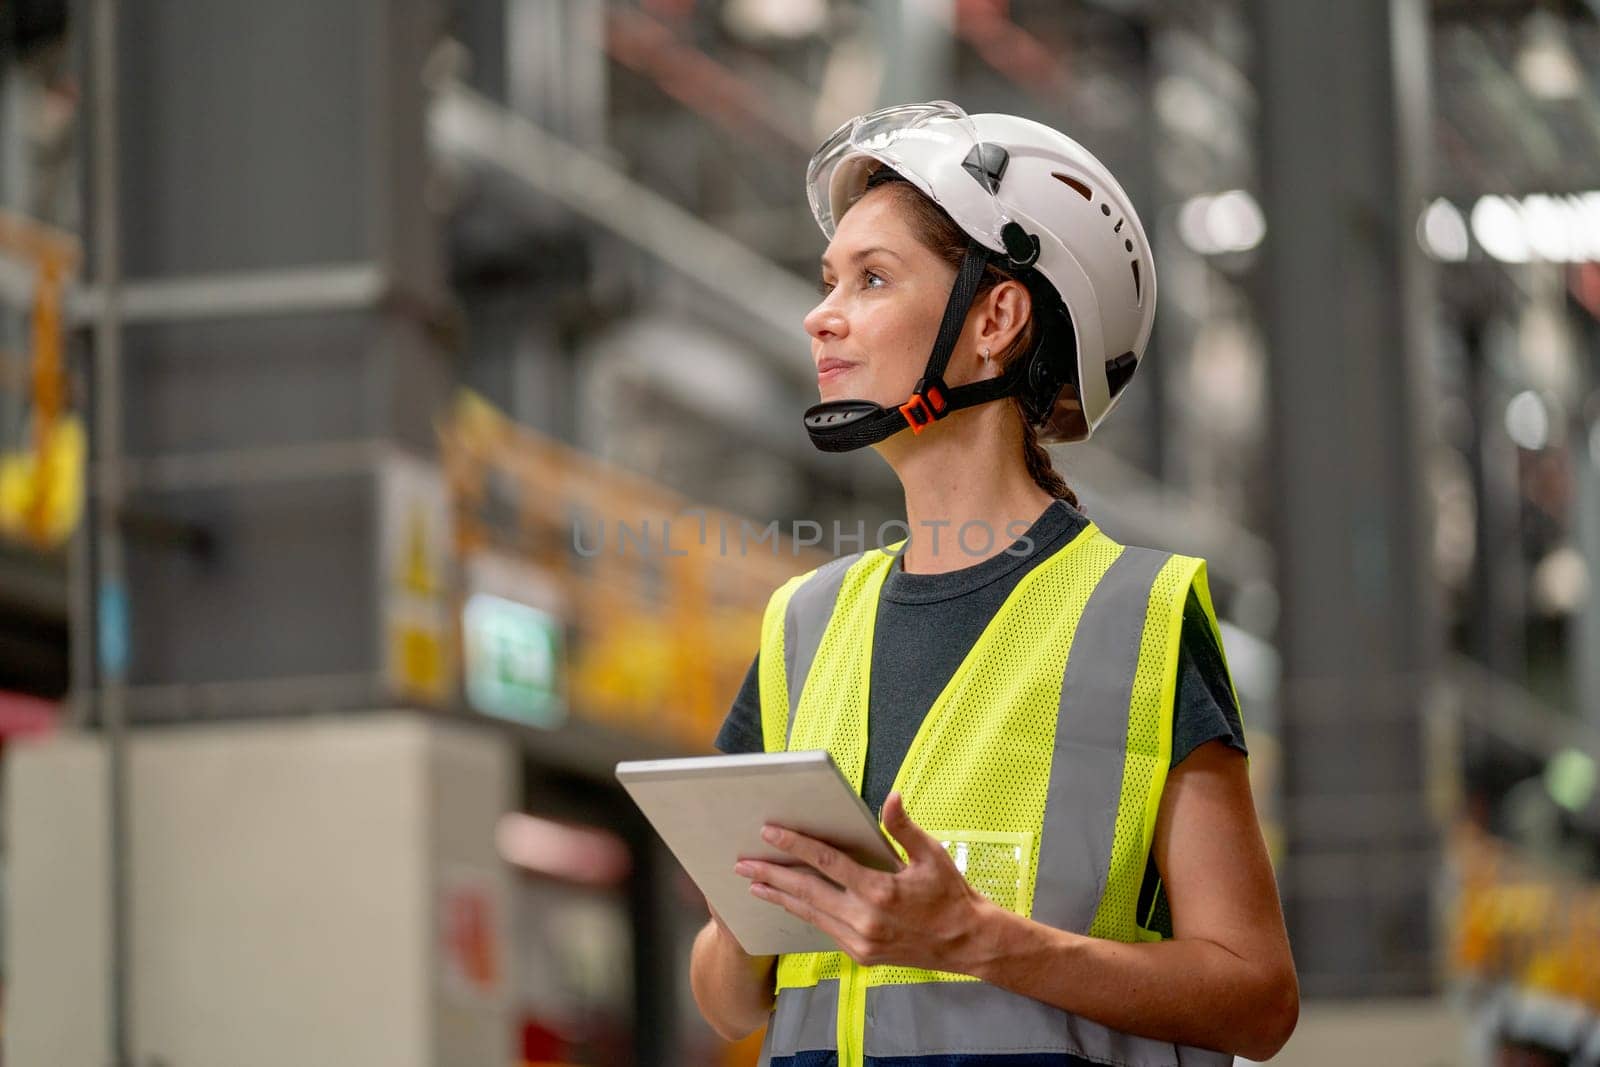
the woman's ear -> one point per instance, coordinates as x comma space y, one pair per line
1005, 312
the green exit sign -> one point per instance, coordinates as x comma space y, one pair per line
512, 660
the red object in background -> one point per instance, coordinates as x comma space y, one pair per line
22, 715
1584, 283
540, 1044
469, 932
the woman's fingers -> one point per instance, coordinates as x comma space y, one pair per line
918, 843
797, 882
827, 860
804, 910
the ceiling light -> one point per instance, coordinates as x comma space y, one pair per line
1561, 581
784, 19
1528, 421
1228, 222
1547, 222
1497, 224
1442, 232
1545, 62
1192, 226
1236, 221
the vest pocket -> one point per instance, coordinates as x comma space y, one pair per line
997, 863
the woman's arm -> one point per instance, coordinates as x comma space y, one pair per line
733, 988
1225, 981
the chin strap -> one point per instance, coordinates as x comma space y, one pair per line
845, 425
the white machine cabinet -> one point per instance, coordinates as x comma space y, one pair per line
324, 892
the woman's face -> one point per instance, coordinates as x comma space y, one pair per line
884, 292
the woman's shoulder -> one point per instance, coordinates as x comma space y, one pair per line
1159, 561
816, 587
1187, 568
831, 573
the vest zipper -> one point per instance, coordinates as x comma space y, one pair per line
852, 1022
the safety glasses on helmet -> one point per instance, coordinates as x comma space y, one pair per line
916, 140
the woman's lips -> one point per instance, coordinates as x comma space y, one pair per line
830, 368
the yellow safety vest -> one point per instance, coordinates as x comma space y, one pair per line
1040, 765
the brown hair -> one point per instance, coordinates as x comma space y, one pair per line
935, 229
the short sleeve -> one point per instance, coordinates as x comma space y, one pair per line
741, 730
1204, 708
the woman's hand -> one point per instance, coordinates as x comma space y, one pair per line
924, 915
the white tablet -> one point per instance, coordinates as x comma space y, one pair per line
710, 811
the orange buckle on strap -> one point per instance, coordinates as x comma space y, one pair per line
926, 408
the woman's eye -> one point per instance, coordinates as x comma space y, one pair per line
868, 280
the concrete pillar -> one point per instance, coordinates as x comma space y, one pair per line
1343, 295
283, 305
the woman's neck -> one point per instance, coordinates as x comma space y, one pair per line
968, 493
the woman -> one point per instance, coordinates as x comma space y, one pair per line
1045, 719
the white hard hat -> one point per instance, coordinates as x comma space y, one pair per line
1010, 182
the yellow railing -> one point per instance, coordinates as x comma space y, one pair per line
660, 634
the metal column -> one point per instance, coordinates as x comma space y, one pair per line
1586, 625
106, 556
280, 332
917, 40
1344, 293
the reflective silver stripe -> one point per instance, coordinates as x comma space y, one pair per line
805, 620
1080, 816
973, 1018
805, 1019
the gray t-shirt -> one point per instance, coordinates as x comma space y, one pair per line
926, 625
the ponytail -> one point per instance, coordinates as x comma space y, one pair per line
1040, 469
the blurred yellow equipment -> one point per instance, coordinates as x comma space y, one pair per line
41, 484
41, 490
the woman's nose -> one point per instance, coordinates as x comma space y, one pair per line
825, 322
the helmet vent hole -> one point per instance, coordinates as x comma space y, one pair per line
1079, 187
1138, 290
1118, 227
1128, 244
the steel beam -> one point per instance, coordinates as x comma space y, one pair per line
469, 127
